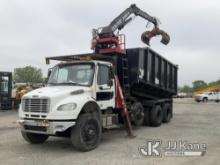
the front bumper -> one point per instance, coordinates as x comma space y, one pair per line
49, 127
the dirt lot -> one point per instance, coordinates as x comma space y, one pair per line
194, 122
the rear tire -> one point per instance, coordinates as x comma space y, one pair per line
167, 113
34, 138
156, 116
146, 116
86, 134
205, 100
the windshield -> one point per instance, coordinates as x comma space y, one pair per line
72, 74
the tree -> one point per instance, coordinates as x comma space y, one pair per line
199, 84
28, 74
186, 89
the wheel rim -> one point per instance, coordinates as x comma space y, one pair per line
139, 114
90, 132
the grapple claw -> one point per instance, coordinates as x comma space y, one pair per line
147, 35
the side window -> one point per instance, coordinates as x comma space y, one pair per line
103, 74
4, 85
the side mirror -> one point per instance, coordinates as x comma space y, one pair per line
110, 82
48, 74
111, 73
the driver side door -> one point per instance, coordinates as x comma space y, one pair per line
105, 93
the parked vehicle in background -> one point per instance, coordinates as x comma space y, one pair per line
5, 90
208, 96
181, 95
11, 93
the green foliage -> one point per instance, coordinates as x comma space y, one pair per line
199, 84
28, 74
214, 83
186, 89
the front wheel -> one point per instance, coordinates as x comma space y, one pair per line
34, 138
86, 134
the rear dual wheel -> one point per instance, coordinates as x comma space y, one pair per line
156, 116
167, 113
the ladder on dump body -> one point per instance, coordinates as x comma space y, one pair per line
125, 80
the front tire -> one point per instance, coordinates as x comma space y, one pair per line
34, 138
86, 134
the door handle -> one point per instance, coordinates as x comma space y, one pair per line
104, 88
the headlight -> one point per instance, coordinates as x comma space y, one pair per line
67, 107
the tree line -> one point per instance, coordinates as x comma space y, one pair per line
197, 85
28, 74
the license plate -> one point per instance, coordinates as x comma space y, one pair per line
42, 123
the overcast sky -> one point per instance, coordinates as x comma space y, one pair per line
31, 30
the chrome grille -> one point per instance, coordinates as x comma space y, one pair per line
36, 105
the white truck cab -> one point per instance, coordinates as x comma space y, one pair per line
208, 96
72, 88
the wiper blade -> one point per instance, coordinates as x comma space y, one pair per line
68, 83
65, 83
51, 83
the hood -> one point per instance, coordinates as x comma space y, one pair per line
200, 95
52, 91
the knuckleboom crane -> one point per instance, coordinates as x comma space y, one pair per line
105, 41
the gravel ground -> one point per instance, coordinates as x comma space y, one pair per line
192, 122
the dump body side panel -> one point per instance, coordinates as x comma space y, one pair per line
151, 75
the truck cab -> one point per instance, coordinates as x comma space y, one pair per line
72, 89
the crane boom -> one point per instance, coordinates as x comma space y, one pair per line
120, 21
105, 40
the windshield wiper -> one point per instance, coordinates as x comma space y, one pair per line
51, 83
68, 83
